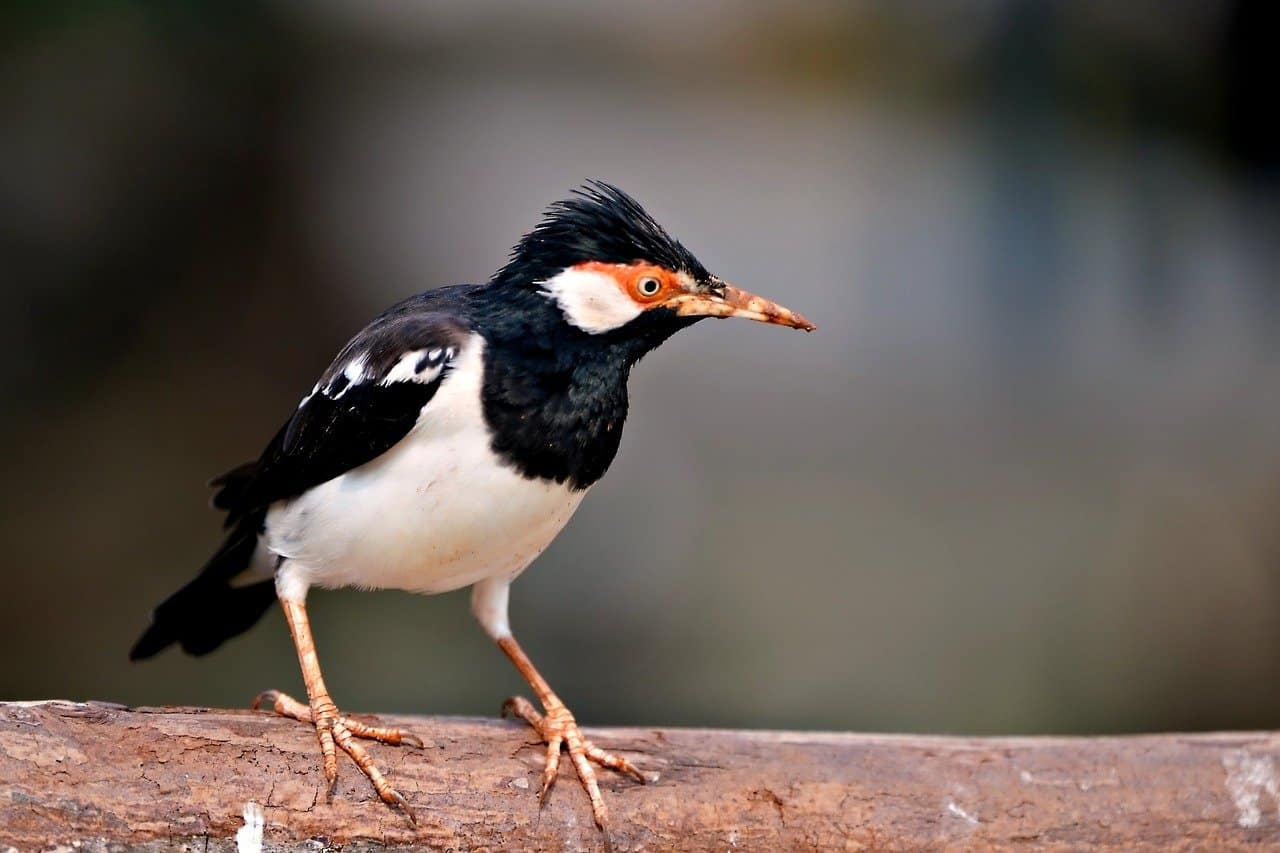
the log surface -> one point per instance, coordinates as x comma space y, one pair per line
97, 776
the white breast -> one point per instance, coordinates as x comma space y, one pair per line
437, 512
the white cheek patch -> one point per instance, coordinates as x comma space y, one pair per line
592, 301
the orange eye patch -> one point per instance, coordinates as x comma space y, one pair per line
646, 284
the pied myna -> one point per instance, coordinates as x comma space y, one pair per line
446, 446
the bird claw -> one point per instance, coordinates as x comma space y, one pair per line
336, 731
404, 806
266, 697
558, 727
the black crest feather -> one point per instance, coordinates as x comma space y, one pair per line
599, 222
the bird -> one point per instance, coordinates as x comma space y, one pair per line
446, 445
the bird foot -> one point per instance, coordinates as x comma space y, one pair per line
338, 731
558, 727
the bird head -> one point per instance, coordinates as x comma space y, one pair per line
611, 271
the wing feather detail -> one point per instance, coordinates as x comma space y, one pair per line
368, 400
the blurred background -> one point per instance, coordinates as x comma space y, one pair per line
1025, 478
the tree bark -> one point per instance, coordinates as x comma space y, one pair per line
97, 776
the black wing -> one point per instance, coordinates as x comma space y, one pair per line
368, 399
366, 402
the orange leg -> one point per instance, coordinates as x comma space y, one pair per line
558, 727
332, 728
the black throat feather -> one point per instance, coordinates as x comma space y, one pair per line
554, 396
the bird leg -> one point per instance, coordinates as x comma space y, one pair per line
557, 727
334, 730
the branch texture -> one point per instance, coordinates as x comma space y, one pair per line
96, 777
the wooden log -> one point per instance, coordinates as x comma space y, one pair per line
95, 776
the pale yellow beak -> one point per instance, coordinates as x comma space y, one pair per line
732, 301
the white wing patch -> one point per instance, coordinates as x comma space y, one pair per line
422, 365
406, 369
310, 394
419, 365
352, 374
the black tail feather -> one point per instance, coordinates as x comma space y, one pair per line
233, 492
208, 611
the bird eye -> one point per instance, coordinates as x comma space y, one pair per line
648, 286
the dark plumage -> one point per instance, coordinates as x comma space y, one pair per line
208, 610
598, 223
